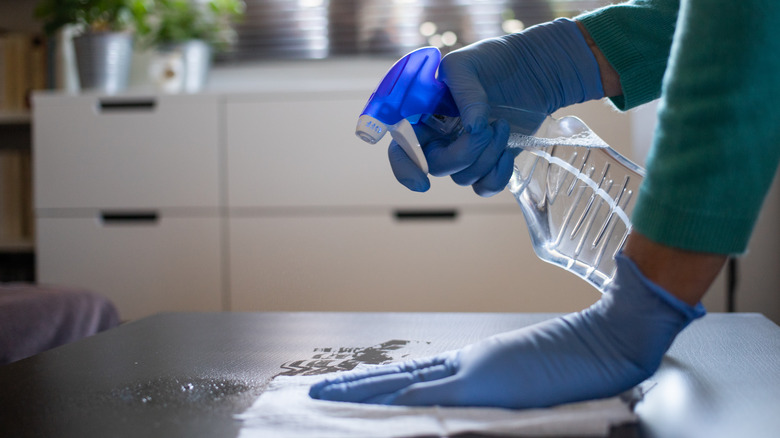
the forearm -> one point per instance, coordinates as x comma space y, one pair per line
685, 274
610, 80
635, 37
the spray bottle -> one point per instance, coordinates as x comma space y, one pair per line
576, 193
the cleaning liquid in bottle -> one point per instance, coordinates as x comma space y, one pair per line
576, 193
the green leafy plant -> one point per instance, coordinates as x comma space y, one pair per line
174, 21
90, 15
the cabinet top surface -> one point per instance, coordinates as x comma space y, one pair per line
358, 75
15, 117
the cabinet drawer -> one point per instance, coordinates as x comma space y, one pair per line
144, 264
294, 152
472, 262
111, 152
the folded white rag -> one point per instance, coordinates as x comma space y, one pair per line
285, 410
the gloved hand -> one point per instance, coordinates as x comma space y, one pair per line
539, 70
598, 352
477, 158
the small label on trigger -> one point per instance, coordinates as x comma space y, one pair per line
443, 124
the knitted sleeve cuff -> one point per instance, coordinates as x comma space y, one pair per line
639, 58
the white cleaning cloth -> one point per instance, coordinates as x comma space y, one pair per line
285, 410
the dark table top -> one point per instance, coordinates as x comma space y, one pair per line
187, 374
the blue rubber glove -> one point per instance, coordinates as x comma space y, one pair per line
598, 352
478, 159
539, 70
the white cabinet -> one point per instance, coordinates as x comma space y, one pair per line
143, 265
475, 262
318, 222
127, 199
266, 201
126, 152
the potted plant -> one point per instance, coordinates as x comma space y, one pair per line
104, 40
185, 33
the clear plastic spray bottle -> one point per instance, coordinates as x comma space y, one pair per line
576, 193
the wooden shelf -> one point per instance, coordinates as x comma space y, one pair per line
17, 246
15, 117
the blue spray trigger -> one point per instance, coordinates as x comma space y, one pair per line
408, 90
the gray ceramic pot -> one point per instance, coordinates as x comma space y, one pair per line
103, 60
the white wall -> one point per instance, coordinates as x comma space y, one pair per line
758, 280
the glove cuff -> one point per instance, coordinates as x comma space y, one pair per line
689, 312
640, 317
561, 45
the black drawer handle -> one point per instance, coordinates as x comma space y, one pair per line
122, 105
129, 217
426, 215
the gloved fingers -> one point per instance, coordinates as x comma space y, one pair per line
426, 375
368, 373
458, 71
489, 157
405, 170
354, 375
446, 158
474, 114
377, 382
498, 177
442, 392
358, 391
469, 158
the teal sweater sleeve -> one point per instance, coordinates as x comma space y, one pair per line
635, 37
717, 144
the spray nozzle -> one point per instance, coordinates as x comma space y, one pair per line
408, 91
